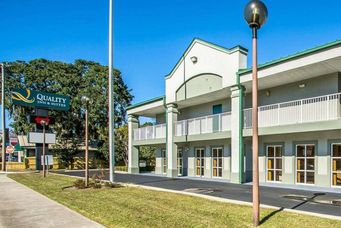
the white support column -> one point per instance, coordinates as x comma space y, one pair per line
172, 148
133, 152
237, 150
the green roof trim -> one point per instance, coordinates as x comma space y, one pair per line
291, 57
209, 44
145, 102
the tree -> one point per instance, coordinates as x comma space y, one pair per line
74, 80
121, 145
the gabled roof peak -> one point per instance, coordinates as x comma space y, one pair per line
208, 44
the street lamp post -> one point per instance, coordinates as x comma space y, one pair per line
255, 14
3, 149
85, 100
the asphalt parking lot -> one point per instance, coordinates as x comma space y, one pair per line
310, 201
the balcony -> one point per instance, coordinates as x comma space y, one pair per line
308, 110
150, 132
202, 125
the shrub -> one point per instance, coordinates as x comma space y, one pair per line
112, 185
79, 184
97, 185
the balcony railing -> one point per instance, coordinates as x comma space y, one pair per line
313, 109
150, 132
205, 124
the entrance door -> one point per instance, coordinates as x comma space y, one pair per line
217, 109
336, 164
305, 164
200, 161
217, 161
164, 161
274, 163
180, 162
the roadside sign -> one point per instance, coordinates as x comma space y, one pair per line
48, 159
13, 141
38, 137
9, 149
26, 97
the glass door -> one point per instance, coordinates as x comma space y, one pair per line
180, 162
200, 161
274, 163
336, 165
164, 161
305, 164
217, 160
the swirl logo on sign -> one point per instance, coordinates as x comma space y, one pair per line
19, 97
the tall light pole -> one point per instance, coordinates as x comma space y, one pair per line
3, 149
85, 100
111, 95
255, 14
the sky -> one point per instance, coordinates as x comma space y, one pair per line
150, 36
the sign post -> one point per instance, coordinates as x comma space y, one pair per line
42, 102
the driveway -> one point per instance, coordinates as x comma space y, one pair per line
310, 201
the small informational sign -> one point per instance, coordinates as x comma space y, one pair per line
48, 159
38, 137
143, 164
9, 149
26, 97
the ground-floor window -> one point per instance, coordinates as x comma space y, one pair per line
180, 162
274, 162
200, 161
305, 163
164, 161
217, 161
336, 164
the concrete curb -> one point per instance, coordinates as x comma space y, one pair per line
218, 199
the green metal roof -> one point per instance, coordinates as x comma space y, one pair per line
145, 102
291, 57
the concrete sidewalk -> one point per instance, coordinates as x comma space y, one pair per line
23, 207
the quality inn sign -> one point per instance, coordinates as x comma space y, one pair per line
26, 97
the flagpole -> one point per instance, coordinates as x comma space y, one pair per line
111, 96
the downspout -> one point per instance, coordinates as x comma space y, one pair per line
241, 127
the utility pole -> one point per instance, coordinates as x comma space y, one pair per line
111, 96
3, 149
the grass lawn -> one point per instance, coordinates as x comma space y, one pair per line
136, 207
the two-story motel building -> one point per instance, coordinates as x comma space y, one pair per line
203, 123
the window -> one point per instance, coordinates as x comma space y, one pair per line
200, 161
217, 160
180, 161
336, 164
274, 163
305, 163
164, 161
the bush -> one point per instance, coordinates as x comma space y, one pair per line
112, 185
97, 185
79, 184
